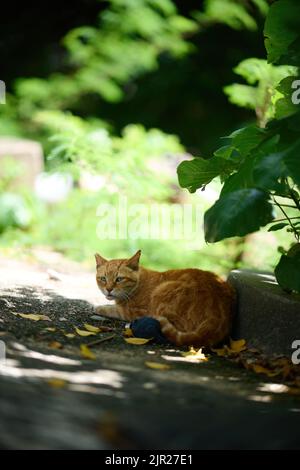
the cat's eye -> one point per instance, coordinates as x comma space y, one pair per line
102, 279
119, 279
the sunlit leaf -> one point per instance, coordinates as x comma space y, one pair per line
138, 341
86, 352
157, 365
84, 333
196, 173
195, 355
50, 329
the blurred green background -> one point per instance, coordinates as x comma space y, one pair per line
117, 93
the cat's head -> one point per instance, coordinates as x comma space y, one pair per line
118, 278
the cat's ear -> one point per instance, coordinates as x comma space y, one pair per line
99, 260
133, 262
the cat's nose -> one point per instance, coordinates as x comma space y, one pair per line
109, 289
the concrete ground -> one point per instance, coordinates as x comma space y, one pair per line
53, 398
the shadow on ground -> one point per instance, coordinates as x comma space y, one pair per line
53, 398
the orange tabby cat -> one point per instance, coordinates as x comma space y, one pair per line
193, 307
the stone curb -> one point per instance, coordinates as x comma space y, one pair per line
267, 318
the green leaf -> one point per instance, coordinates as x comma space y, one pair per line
292, 161
227, 152
237, 214
284, 104
244, 96
196, 173
247, 138
243, 178
231, 13
276, 227
281, 28
268, 170
262, 5
287, 272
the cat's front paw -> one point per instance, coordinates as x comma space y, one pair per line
101, 310
109, 311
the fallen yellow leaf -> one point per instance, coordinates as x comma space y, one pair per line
86, 352
263, 370
222, 352
195, 355
157, 365
93, 329
128, 332
237, 345
69, 335
55, 345
137, 341
32, 316
84, 333
50, 329
57, 383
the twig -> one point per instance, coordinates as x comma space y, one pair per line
283, 220
285, 205
98, 341
288, 219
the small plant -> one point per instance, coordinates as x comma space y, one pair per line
259, 165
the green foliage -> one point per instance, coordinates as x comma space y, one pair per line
197, 173
129, 162
265, 173
282, 32
261, 94
232, 214
103, 59
287, 270
237, 15
14, 212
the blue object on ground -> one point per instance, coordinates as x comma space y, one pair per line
148, 327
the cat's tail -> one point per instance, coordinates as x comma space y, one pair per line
202, 335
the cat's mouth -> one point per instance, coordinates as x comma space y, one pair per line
110, 297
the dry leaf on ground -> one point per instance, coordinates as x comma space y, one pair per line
157, 365
93, 329
55, 345
138, 341
86, 352
262, 370
84, 332
69, 335
237, 345
32, 316
57, 383
195, 355
128, 332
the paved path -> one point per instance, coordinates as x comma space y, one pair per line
55, 399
